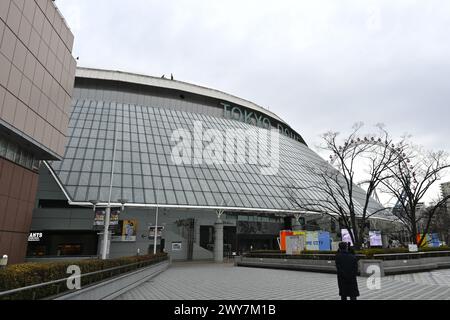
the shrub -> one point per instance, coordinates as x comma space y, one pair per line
27, 274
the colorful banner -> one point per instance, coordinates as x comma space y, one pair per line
435, 242
426, 241
375, 239
312, 240
430, 240
283, 235
99, 219
127, 231
295, 244
346, 236
324, 241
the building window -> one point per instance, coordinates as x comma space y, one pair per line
14, 153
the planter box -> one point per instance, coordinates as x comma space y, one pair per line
385, 266
327, 266
112, 288
366, 267
415, 265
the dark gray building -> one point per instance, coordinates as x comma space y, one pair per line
194, 153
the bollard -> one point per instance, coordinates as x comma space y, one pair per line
4, 261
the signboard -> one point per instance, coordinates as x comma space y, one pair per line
324, 241
259, 119
35, 236
295, 244
346, 236
312, 240
126, 232
283, 235
412, 248
151, 232
99, 219
375, 239
176, 246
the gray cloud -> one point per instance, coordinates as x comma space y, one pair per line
320, 65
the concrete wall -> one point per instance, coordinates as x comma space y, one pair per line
76, 218
385, 267
82, 219
112, 288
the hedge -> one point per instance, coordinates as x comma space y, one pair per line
27, 274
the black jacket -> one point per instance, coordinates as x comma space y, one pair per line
347, 271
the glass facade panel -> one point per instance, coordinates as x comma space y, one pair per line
144, 172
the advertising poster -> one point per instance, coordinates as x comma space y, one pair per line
324, 241
283, 235
99, 218
312, 240
375, 239
346, 236
295, 244
151, 232
126, 232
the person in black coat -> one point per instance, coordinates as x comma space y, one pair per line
347, 271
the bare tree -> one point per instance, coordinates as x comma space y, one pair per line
414, 173
337, 194
440, 221
434, 219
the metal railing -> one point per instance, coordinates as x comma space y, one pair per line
59, 281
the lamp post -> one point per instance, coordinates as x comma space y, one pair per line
106, 232
108, 207
155, 238
106, 221
122, 202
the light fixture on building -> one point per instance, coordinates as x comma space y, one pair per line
122, 202
94, 203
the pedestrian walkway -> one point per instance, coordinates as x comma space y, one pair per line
210, 281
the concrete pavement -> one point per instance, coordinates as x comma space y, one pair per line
211, 281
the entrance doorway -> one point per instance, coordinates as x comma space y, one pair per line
249, 242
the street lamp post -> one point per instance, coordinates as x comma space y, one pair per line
106, 232
108, 207
155, 238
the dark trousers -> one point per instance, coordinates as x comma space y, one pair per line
345, 298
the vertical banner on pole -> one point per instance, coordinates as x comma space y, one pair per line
346, 237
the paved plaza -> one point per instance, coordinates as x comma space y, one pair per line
210, 281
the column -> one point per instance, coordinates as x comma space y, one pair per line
218, 241
295, 224
197, 231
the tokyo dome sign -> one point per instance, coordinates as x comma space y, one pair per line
257, 119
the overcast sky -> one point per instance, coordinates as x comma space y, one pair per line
320, 65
